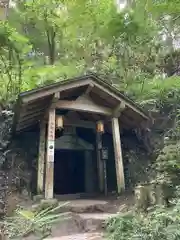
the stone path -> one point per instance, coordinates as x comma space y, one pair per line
87, 221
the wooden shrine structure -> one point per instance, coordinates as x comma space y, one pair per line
85, 102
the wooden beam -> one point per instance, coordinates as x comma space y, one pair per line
89, 89
49, 178
67, 122
83, 104
31, 117
39, 104
25, 127
119, 109
26, 124
79, 123
24, 110
110, 93
54, 100
32, 120
56, 96
27, 115
118, 155
54, 89
41, 158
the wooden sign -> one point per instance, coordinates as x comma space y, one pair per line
52, 125
49, 181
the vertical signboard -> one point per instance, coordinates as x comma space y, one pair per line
49, 182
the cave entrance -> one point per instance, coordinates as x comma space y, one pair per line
73, 163
69, 172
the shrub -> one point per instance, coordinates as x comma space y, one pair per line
160, 223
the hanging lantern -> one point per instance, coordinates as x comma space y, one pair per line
100, 127
59, 121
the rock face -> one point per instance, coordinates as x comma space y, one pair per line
5, 135
6, 118
16, 161
3, 192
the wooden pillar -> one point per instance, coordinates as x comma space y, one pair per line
105, 177
118, 155
41, 158
49, 178
99, 161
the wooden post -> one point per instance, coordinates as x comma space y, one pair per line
99, 161
118, 155
104, 156
49, 179
105, 178
41, 158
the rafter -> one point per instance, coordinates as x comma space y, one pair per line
119, 109
83, 104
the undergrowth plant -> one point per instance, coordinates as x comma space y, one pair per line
159, 224
25, 222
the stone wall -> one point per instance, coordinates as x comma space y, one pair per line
26, 150
18, 160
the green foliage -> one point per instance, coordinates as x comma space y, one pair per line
77, 36
47, 41
167, 165
157, 92
160, 223
26, 222
164, 7
13, 50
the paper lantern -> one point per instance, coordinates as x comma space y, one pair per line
100, 127
59, 121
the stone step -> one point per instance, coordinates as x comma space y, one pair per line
85, 206
79, 226
73, 224
94, 221
81, 223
